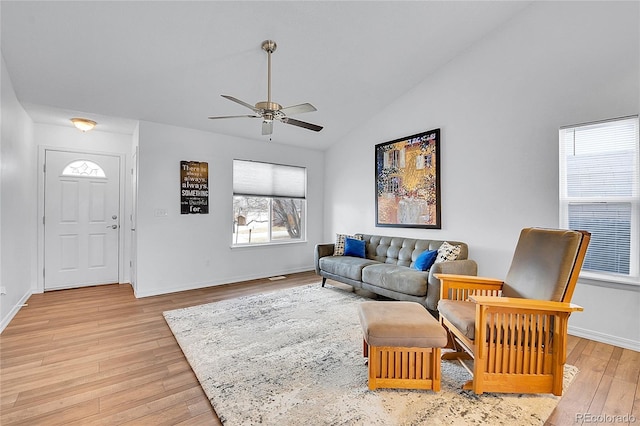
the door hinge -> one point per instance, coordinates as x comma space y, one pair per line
43, 220
42, 273
44, 168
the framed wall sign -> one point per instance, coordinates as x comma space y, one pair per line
194, 187
408, 181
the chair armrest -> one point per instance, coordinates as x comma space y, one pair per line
322, 250
460, 287
533, 304
459, 267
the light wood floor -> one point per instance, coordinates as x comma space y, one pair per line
98, 355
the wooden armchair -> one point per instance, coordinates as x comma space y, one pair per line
516, 330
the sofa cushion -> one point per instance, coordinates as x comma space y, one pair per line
400, 324
425, 260
345, 266
397, 278
448, 252
353, 247
462, 315
338, 249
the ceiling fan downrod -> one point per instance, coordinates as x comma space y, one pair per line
269, 46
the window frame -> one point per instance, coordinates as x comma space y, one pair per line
565, 201
270, 197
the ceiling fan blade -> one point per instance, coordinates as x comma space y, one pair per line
303, 124
267, 127
298, 109
238, 101
233, 116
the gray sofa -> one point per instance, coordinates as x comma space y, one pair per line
387, 268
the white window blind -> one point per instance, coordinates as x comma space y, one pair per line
599, 191
252, 178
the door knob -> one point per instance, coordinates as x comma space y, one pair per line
113, 226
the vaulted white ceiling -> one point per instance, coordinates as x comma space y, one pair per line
169, 62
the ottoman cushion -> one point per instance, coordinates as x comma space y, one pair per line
400, 324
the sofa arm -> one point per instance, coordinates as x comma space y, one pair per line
322, 250
458, 267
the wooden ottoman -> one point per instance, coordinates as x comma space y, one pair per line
402, 341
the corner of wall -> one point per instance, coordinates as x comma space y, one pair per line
4, 321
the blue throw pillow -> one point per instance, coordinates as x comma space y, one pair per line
425, 260
353, 247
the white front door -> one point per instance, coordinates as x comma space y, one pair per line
81, 235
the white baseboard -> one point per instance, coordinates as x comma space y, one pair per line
609, 339
203, 284
7, 319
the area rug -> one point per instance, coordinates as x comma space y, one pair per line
294, 357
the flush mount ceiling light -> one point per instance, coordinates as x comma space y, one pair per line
83, 124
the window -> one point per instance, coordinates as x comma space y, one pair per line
268, 202
83, 168
599, 192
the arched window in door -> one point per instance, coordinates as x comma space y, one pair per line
83, 168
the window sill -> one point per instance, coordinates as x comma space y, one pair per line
611, 281
278, 243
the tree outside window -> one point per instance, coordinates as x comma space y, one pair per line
265, 219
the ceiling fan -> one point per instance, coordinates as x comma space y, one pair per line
269, 111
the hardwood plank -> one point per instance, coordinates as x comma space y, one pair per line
612, 366
628, 366
131, 395
65, 415
577, 350
620, 398
43, 377
635, 411
137, 411
599, 350
203, 419
601, 396
199, 406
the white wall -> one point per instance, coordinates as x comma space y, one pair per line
499, 106
17, 202
178, 252
68, 138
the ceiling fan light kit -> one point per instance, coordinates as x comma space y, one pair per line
269, 111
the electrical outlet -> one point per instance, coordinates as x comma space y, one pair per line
3, 290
